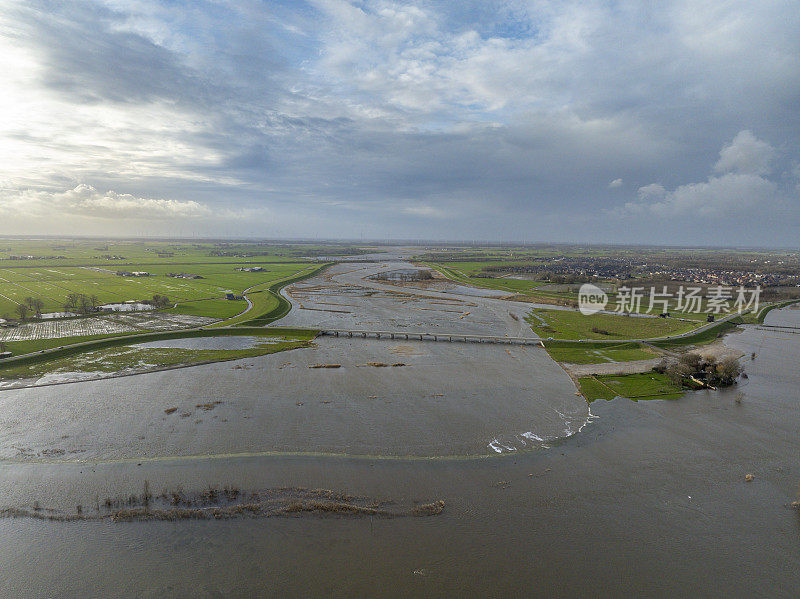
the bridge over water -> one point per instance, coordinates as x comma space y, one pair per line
779, 328
444, 337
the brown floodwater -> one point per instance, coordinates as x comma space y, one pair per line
649, 499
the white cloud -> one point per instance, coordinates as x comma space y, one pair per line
730, 194
743, 185
652, 193
86, 201
423, 210
746, 154
615, 184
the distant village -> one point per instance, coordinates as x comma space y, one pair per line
565, 269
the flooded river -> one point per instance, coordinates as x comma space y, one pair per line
649, 498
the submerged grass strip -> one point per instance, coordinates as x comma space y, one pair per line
19, 348
120, 354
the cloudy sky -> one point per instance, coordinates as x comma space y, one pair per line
655, 122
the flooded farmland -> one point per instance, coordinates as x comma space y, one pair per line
385, 398
102, 325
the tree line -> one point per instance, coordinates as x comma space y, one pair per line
76, 303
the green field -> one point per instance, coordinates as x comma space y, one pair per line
202, 297
115, 254
50, 270
569, 324
597, 353
213, 308
648, 385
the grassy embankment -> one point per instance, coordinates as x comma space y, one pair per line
568, 324
707, 336
20, 348
268, 305
118, 353
648, 385
762, 313
522, 289
591, 352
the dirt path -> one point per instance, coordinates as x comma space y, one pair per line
612, 368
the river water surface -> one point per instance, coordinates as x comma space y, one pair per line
649, 499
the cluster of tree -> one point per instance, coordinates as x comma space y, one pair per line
30, 305
160, 301
706, 370
78, 303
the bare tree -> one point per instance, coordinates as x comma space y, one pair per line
22, 310
71, 304
692, 360
37, 305
728, 370
84, 304
678, 372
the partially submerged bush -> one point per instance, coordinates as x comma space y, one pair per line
707, 370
